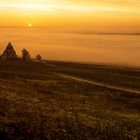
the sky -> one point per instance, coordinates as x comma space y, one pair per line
68, 29
89, 13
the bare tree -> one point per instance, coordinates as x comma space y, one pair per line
38, 57
25, 55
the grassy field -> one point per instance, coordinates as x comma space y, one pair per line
67, 101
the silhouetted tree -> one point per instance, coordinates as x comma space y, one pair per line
25, 55
38, 57
9, 52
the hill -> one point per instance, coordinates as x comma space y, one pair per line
59, 100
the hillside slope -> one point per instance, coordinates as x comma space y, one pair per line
46, 100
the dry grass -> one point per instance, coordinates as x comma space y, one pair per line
40, 105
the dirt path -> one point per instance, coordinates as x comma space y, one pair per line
101, 84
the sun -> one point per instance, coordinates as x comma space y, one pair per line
30, 25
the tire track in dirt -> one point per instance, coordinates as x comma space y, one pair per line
100, 84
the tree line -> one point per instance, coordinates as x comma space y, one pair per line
26, 56
9, 53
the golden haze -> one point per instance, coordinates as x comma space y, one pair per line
70, 13
75, 25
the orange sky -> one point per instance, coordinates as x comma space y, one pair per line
81, 20
70, 12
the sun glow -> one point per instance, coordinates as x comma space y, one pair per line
30, 25
66, 12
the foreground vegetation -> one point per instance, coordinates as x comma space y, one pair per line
37, 103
